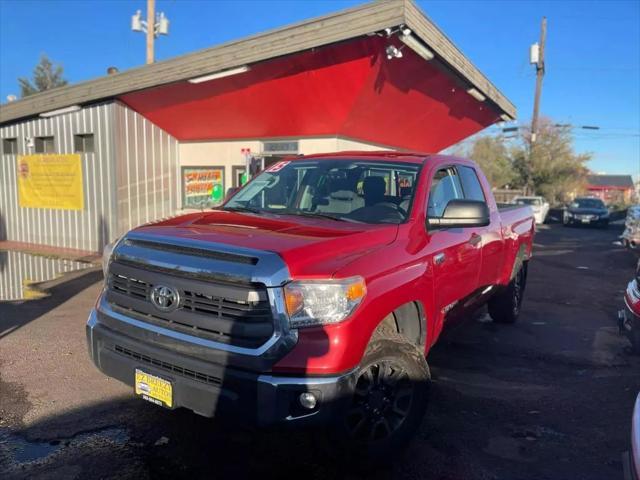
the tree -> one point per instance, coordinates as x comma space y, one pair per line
46, 76
551, 167
492, 155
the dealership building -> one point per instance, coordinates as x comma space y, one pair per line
82, 164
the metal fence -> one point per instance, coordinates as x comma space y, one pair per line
146, 159
18, 270
503, 195
130, 178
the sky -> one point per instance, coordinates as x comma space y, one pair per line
592, 56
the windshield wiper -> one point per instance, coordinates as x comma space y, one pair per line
319, 215
242, 209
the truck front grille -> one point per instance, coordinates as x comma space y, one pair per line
130, 286
235, 314
169, 367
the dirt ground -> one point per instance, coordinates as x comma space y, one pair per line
547, 398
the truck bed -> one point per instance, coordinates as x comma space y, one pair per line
503, 207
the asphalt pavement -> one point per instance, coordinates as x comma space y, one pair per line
547, 398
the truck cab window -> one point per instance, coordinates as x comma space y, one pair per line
471, 184
444, 188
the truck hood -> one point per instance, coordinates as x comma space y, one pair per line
311, 247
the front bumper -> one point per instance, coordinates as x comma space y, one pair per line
210, 388
586, 220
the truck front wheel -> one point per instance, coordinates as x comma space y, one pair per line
388, 402
505, 306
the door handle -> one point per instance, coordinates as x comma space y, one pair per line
475, 239
439, 258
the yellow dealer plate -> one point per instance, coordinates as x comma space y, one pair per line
154, 389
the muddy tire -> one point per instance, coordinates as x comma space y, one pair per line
387, 405
505, 306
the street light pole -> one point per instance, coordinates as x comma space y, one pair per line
151, 34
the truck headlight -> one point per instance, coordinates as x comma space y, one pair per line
323, 302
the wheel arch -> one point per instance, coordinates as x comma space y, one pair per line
519, 261
408, 320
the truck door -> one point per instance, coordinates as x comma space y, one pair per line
490, 237
456, 254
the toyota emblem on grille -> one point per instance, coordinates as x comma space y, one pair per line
164, 298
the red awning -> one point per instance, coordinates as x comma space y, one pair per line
349, 89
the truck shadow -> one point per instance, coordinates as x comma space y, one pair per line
130, 438
16, 314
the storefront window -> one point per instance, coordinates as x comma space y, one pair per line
202, 187
239, 176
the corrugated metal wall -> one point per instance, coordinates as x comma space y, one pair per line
88, 229
16, 268
130, 179
146, 170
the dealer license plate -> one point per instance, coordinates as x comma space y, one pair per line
154, 389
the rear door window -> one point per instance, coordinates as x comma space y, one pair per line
471, 184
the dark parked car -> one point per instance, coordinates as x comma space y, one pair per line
586, 211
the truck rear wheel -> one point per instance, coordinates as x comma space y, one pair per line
505, 306
388, 402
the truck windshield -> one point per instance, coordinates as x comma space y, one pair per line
341, 190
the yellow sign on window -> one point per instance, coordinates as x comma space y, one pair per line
50, 181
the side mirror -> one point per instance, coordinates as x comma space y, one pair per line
462, 214
231, 191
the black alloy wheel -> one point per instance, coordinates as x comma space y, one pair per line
518, 291
505, 306
381, 402
384, 408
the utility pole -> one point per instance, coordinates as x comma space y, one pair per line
536, 57
151, 34
153, 26
539, 63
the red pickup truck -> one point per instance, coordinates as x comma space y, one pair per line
314, 294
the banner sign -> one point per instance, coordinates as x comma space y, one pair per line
282, 147
50, 181
202, 186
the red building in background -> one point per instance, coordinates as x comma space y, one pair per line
611, 188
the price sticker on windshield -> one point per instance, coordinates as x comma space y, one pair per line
277, 166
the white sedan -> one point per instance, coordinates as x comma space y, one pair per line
539, 206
